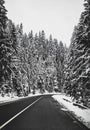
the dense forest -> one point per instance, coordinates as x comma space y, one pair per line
31, 62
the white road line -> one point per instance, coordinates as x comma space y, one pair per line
2, 126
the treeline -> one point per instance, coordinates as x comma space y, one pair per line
77, 81
28, 61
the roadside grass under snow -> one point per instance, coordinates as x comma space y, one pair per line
11, 98
81, 113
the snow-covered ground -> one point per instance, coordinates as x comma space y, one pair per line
7, 98
83, 115
11, 98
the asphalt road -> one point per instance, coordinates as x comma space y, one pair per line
45, 114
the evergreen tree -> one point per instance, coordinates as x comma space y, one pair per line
79, 62
60, 65
3, 19
11, 30
5, 56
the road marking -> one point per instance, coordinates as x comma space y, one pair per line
2, 126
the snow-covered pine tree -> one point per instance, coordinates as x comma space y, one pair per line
5, 46
60, 65
70, 78
11, 31
80, 64
85, 18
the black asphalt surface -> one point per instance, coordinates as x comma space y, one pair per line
8, 110
46, 114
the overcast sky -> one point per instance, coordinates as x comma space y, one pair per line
56, 17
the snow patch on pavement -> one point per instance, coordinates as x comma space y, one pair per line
82, 115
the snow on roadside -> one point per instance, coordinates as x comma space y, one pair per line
8, 99
82, 115
11, 98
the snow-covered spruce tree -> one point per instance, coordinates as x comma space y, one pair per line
69, 74
5, 47
32, 60
15, 78
60, 65
80, 65
85, 19
22, 73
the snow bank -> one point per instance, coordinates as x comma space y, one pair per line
82, 115
10, 98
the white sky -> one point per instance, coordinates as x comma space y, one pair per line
56, 17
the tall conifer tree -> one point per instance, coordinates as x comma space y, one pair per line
5, 70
